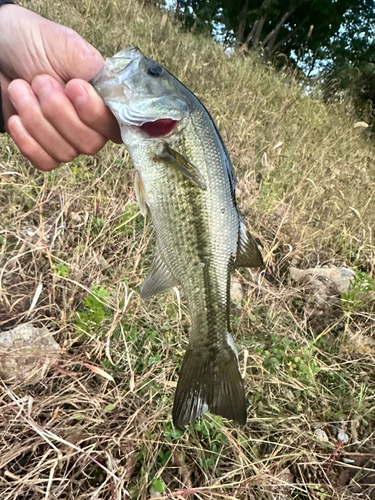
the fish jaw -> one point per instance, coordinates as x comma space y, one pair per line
106, 82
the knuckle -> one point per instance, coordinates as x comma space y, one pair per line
31, 116
38, 158
53, 106
93, 146
45, 166
30, 151
65, 156
94, 109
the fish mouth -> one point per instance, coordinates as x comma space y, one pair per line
153, 116
159, 128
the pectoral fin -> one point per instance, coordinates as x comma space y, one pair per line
158, 280
248, 254
140, 193
175, 160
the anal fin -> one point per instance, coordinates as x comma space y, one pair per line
248, 254
158, 280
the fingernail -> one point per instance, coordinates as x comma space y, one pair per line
41, 84
15, 128
80, 94
17, 91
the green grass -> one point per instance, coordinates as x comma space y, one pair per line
305, 185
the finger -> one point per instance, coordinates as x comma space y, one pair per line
92, 110
29, 146
28, 109
60, 112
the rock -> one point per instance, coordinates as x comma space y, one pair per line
76, 217
341, 276
359, 343
26, 353
285, 476
342, 436
321, 289
320, 435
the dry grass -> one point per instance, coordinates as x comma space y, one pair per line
99, 425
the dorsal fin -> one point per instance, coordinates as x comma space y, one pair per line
248, 254
159, 278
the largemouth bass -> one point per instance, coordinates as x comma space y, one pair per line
184, 178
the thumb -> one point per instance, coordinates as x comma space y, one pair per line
69, 54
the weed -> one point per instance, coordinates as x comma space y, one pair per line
127, 220
61, 270
158, 485
361, 285
94, 310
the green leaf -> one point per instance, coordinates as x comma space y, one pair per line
158, 485
61, 270
109, 407
78, 416
176, 433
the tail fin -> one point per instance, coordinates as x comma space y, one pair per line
209, 381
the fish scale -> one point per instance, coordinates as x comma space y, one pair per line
186, 181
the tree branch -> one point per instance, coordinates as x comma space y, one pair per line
242, 24
270, 39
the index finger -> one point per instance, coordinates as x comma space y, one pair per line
91, 109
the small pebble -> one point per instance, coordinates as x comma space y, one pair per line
321, 435
342, 436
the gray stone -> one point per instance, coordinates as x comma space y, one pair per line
26, 353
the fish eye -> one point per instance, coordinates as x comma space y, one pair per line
155, 70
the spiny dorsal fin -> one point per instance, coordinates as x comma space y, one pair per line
140, 193
248, 254
173, 159
159, 278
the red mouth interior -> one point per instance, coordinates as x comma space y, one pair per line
159, 128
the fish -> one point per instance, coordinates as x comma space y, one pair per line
185, 180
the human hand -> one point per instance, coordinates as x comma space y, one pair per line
50, 124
